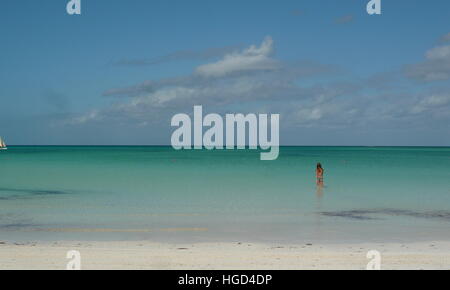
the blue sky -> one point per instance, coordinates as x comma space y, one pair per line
117, 73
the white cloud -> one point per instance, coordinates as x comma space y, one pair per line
439, 53
222, 87
436, 67
310, 114
251, 59
431, 102
92, 115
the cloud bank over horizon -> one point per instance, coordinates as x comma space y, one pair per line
306, 94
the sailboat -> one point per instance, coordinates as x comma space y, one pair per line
2, 144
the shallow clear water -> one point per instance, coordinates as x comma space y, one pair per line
157, 193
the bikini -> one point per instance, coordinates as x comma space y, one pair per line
319, 177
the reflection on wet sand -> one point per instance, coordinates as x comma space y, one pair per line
318, 219
319, 192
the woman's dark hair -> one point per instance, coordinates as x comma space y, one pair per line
319, 166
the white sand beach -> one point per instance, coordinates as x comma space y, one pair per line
252, 256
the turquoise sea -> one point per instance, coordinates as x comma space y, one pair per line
156, 193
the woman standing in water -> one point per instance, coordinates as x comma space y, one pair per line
319, 174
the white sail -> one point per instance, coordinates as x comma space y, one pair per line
2, 143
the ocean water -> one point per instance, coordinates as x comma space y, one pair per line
385, 194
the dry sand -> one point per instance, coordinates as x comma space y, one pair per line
149, 255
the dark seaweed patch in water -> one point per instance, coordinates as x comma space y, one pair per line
12, 221
8, 197
48, 192
348, 214
15, 226
29, 192
368, 214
